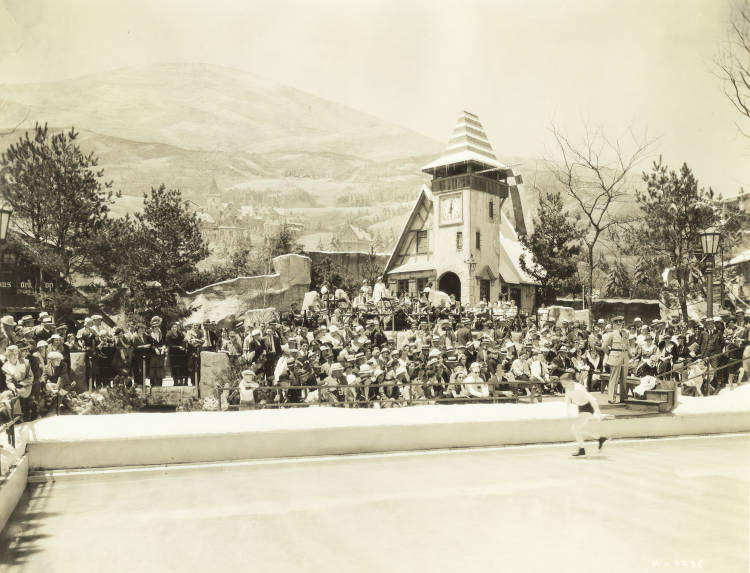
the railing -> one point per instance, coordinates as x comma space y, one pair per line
9, 428
361, 394
464, 181
386, 394
711, 371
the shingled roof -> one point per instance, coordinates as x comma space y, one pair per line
468, 142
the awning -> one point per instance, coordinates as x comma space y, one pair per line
414, 267
486, 273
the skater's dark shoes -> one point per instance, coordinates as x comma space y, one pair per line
580, 452
601, 442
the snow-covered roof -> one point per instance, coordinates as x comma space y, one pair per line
468, 142
511, 250
413, 267
742, 257
205, 218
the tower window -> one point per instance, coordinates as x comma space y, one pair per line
492, 209
479, 240
422, 242
459, 241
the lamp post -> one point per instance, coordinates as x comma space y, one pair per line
710, 239
471, 261
5, 212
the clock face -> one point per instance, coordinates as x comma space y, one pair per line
451, 209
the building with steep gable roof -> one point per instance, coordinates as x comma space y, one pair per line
456, 238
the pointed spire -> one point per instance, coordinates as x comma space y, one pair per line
214, 188
468, 142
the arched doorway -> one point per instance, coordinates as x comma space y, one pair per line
449, 283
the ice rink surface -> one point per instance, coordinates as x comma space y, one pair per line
640, 505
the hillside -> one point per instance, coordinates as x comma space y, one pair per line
187, 124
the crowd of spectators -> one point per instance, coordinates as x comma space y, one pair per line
457, 354
338, 352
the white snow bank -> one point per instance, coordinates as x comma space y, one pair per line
737, 400
66, 428
107, 427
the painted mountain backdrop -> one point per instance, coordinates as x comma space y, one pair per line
187, 125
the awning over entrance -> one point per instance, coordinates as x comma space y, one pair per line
486, 273
414, 267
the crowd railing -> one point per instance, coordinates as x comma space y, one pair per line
9, 429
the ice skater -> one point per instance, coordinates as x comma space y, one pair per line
588, 408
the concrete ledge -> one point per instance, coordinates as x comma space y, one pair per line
12, 489
197, 437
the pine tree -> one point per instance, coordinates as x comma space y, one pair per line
554, 247
158, 250
618, 281
646, 278
60, 205
675, 210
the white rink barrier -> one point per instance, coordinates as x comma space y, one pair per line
12, 489
70, 442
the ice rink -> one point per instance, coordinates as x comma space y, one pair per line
641, 505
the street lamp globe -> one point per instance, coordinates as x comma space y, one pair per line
5, 212
710, 241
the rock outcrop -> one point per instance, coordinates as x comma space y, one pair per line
228, 302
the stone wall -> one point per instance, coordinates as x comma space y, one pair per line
227, 302
352, 264
213, 367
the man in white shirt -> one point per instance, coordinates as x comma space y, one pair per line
588, 408
474, 383
379, 291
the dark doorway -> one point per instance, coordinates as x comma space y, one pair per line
450, 284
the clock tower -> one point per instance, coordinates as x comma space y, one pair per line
469, 186
453, 239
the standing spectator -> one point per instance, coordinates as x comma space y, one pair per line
615, 345
157, 353
38, 362
175, 341
712, 344
122, 360
141, 352
194, 340
272, 344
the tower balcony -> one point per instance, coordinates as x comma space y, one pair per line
468, 181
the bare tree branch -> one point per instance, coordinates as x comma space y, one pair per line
733, 63
594, 174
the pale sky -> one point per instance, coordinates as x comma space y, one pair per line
640, 65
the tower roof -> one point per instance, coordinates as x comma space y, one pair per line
468, 142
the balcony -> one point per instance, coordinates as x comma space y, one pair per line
497, 188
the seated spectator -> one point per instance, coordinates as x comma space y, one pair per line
18, 375
57, 380
474, 383
247, 387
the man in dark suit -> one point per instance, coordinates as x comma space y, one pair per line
273, 349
